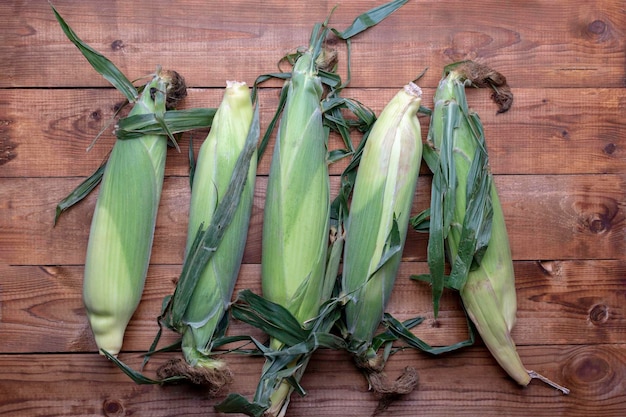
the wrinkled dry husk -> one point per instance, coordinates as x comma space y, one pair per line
482, 76
387, 390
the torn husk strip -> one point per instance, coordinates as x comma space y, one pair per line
535, 375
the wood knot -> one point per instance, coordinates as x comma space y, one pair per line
598, 217
599, 314
610, 148
118, 106
597, 225
112, 408
592, 368
7, 147
597, 27
96, 115
117, 45
550, 268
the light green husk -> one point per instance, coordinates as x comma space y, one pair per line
379, 214
213, 292
122, 228
487, 287
296, 215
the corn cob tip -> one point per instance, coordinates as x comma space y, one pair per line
108, 333
413, 90
234, 83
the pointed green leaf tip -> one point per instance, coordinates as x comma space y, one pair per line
370, 18
99, 62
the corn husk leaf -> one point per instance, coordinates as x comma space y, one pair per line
192, 162
131, 127
207, 239
272, 125
476, 227
369, 19
138, 377
80, 192
134, 127
401, 331
275, 320
173, 121
288, 363
421, 222
99, 62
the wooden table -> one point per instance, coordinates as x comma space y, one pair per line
556, 156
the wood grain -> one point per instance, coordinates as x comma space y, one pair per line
548, 217
559, 44
477, 387
557, 158
556, 306
583, 127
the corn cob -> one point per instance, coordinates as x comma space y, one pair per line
213, 291
296, 215
298, 276
378, 220
122, 228
485, 278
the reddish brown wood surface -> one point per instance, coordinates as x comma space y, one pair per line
557, 157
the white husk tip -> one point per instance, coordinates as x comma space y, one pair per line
232, 83
413, 89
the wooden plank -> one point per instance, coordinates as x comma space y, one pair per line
559, 302
582, 46
595, 374
584, 127
548, 217
557, 156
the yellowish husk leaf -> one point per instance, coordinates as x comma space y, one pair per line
383, 193
215, 166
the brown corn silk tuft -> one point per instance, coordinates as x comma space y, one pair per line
215, 379
177, 89
388, 390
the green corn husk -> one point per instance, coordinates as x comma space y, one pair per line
299, 270
465, 202
212, 293
378, 220
296, 217
122, 228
